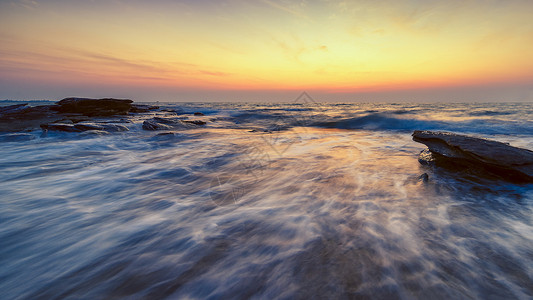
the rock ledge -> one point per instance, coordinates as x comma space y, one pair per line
479, 155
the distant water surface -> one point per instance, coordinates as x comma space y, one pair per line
298, 200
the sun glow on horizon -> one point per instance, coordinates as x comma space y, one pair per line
331, 46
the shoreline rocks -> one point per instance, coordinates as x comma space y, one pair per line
481, 156
22, 117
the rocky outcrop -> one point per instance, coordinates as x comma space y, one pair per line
22, 117
481, 156
157, 123
95, 107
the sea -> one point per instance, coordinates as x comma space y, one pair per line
301, 200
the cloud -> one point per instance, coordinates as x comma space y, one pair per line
28, 4
81, 63
285, 8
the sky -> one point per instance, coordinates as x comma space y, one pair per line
267, 50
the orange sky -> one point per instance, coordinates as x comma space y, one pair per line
267, 50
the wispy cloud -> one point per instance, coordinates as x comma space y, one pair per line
28, 4
92, 64
285, 8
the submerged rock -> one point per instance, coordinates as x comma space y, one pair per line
95, 107
60, 127
424, 178
157, 123
81, 127
153, 125
195, 122
482, 156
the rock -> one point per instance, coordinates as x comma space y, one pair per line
76, 118
113, 127
88, 126
142, 108
153, 125
482, 156
21, 117
198, 114
195, 122
81, 127
12, 108
60, 127
157, 123
426, 157
95, 107
424, 178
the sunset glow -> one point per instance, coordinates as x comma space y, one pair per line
189, 50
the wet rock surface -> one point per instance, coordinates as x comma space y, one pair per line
80, 127
21, 117
481, 156
158, 123
62, 115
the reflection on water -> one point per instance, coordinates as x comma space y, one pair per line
227, 212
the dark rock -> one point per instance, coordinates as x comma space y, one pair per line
25, 118
166, 121
114, 127
12, 108
481, 156
60, 127
198, 114
21, 117
76, 118
95, 107
64, 121
142, 108
424, 177
153, 125
81, 127
86, 127
158, 123
195, 122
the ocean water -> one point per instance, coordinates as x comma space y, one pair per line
299, 200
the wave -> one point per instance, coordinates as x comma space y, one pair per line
383, 121
380, 121
491, 113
